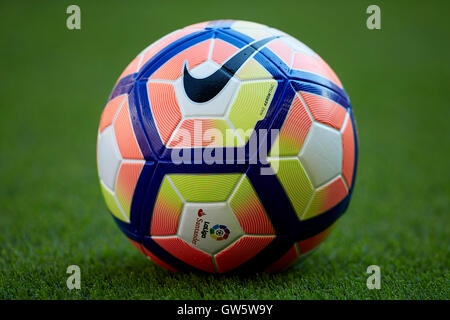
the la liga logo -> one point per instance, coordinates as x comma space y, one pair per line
219, 232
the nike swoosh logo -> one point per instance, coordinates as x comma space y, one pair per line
204, 89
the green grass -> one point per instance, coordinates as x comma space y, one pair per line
55, 82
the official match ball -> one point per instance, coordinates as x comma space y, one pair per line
227, 146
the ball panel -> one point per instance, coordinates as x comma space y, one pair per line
326, 197
251, 105
193, 56
249, 211
321, 155
295, 182
324, 110
165, 110
167, 211
205, 187
241, 251
253, 70
254, 33
217, 106
126, 183
112, 203
110, 111
200, 133
157, 46
209, 227
293, 132
183, 251
224, 23
126, 140
239, 24
108, 157
222, 51
282, 50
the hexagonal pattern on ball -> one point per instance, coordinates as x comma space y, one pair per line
108, 157
321, 154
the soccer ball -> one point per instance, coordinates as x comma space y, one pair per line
227, 146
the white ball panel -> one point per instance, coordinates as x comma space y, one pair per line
217, 106
108, 157
321, 155
198, 218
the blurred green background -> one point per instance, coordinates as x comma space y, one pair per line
54, 85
